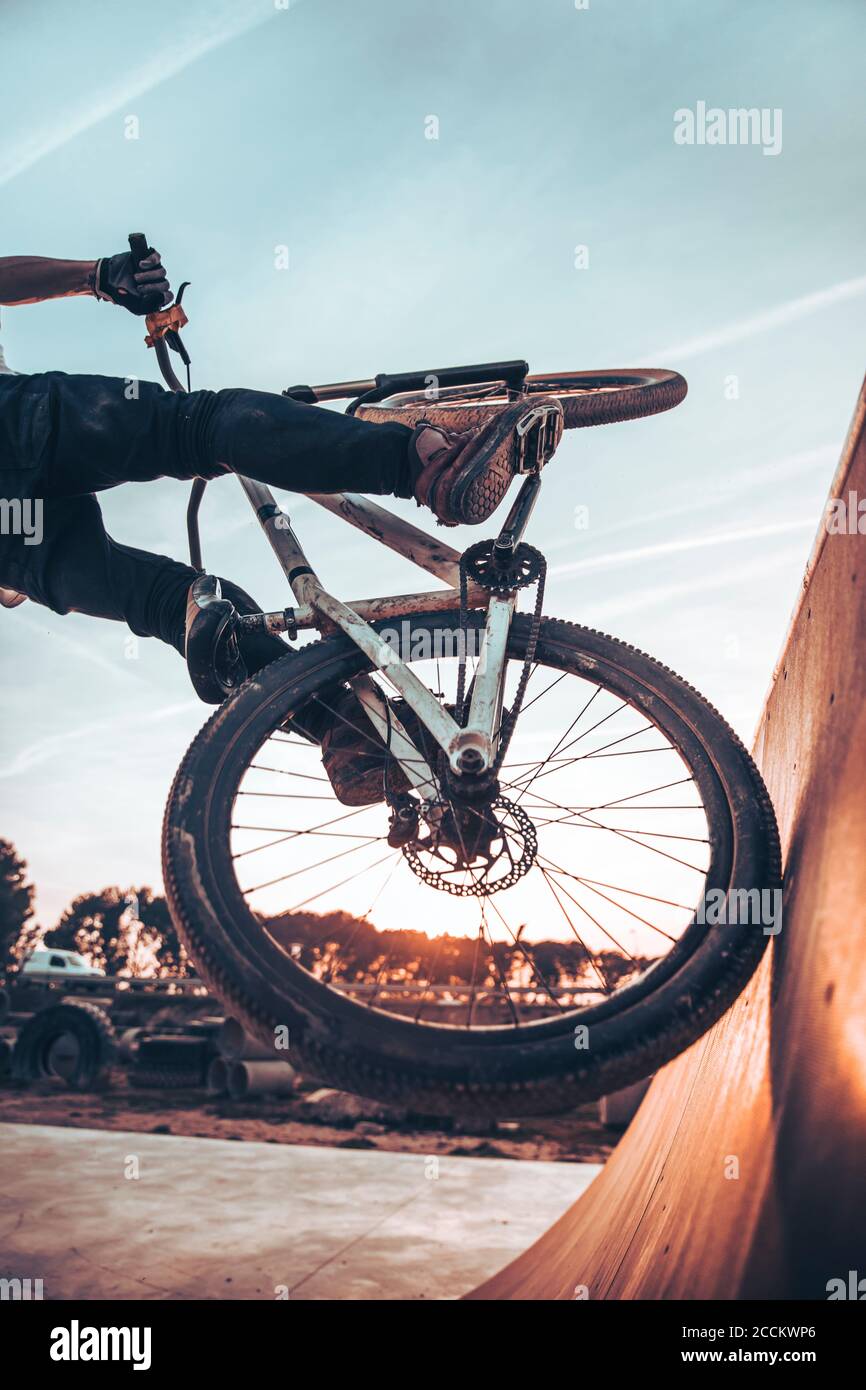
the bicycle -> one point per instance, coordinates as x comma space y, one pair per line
557, 807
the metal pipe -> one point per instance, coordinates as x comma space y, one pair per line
485, 709
521, 510
392, 531
236, 1045
343, 390
392, 607
218, 1077
282, 539
247, 1079
435, 718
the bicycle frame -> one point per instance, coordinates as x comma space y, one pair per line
470, 748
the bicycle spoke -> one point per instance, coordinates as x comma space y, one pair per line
556, 868
600, 753
384, 936
343, 881
429, 981
308, 868
586, 824
529, 961
471, 1006
287, 772
293, 834
571, 726
632, 892
590, 957
496, 970
529, 703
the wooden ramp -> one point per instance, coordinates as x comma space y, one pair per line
776, 1091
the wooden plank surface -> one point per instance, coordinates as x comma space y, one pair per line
744, 1172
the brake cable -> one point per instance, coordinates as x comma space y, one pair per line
163, 332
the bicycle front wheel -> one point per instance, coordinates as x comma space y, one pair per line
570, 958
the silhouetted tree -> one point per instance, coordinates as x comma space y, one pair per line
345, 949
123, 932
16, 903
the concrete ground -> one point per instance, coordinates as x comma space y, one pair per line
117, 1215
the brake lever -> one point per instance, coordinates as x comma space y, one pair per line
162, 323
163, 332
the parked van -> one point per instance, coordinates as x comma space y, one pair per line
46, 961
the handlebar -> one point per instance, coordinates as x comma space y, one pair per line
163, 325
138, 248
513, 373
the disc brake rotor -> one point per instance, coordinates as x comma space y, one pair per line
493, 862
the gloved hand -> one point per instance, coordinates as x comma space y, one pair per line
141, 291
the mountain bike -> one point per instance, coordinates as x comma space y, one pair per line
520, 923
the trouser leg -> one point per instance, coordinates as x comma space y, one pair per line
84, 570
102, 431
63, 437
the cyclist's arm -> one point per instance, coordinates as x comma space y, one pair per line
32, 279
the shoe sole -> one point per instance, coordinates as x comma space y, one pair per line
482, 482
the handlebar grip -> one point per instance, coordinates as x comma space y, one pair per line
138, 248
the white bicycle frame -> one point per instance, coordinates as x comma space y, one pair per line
472, 747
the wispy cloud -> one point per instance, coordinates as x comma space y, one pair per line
57, 745
681, 594
749, 327
647, 552
730, 485
88, 653
189, 39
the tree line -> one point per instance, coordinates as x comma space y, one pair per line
129, 933
126, 932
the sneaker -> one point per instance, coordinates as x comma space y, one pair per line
462, 476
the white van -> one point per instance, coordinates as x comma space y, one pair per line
46, 961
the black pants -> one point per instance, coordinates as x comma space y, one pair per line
65, 438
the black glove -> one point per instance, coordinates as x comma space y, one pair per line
141, 291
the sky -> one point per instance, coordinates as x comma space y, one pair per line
263, 125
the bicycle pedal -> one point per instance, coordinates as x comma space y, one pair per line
538, 436
213, 656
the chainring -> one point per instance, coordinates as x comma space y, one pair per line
503, 573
